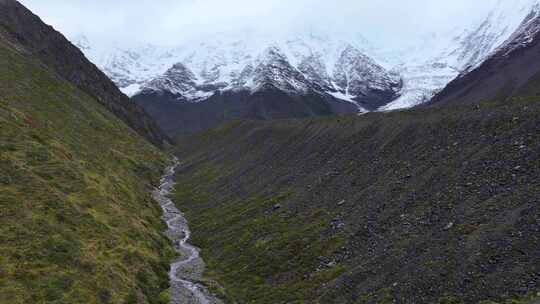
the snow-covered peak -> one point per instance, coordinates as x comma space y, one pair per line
427, 70
216, 58
343, 64
273, 69
129, 67
295, 65
525, 34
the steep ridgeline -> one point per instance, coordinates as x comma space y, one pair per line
78, 223
36, 39
438, 58
296, 78
506, 73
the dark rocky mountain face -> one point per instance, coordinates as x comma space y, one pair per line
360, 76
505, 74
267, 88
34, 38
176, 116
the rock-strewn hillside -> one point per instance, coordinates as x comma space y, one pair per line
431, 205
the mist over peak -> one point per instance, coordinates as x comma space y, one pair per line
167, 22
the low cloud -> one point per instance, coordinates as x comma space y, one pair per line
173, 21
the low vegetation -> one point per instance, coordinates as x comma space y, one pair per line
261, 252
432, 205
77, 222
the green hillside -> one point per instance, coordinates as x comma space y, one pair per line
431, 205
77, 223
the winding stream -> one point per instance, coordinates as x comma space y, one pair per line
188, 269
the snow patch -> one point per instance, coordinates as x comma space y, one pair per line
131, 90
346, 97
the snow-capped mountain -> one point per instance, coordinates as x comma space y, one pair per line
294, 64
263, 77
127, 66
336, 66
320, 61
431, 63
525, 34
508, 71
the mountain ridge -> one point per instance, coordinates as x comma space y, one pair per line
35, 38
78, 222
506, 71
424, 71
293, 66
466, 49
435, 204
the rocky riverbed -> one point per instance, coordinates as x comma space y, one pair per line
186, 271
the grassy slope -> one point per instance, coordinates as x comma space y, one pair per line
416, 206
77, 224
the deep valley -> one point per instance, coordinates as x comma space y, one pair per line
310, 167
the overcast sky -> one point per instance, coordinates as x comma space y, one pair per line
168, 21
